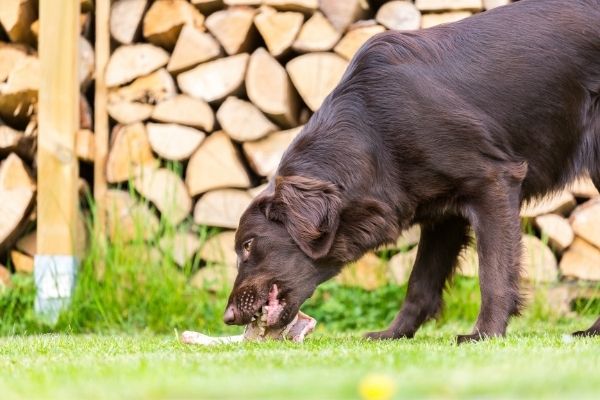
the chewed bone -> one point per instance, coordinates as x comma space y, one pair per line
260, 327
257, 331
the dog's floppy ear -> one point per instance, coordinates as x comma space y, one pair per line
309, 209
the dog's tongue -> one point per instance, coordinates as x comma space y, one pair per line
274, 307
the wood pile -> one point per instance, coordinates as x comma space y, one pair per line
204, 96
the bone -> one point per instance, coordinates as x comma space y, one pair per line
257, 331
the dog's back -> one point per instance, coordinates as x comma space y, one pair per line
528, 73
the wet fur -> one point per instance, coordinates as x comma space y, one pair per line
450, 128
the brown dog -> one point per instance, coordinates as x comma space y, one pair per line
450, 128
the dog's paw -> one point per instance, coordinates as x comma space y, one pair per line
587, 333
386, 335
472, 338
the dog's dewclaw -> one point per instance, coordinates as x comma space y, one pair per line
257, 331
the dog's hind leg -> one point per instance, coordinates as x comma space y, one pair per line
595, 329
439, 247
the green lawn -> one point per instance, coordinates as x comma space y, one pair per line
532, 362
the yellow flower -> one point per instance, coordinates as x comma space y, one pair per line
376, 387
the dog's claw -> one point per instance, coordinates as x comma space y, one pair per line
587, 333
386, 335
472, 338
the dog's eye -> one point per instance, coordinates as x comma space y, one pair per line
246, 247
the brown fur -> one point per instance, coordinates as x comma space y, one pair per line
450, 128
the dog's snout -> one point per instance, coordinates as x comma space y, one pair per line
229, 316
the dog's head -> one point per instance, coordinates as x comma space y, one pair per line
292, 237
280, 238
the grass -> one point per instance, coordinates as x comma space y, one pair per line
118, 340
533, 362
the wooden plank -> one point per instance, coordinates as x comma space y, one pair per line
101, 127
58, 123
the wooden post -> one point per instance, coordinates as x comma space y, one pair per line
57, 177
101, 129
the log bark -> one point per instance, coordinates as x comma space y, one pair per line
130, 150
278, 29
317, 34
221, 208
192, 48
129, 219
264, 155
126, 20
215, 165
16, 17
165, 19
233, 28
315, 75
17, 195
270, 89
343, 13
355, 38
243, 121
166, 191
399, 15
174, 142
132, 61
215, 80
185, 110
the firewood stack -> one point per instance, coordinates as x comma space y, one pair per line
19, 84
204, 97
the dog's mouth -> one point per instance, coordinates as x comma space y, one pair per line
274, 309
271, 321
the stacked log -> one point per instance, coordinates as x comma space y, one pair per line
204, 97
19, 84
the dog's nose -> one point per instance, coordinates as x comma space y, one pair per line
229, 316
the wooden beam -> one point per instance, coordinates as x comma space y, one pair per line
101, 128
58, 124
58, 202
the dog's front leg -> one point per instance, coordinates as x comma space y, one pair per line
439, 246
494, 216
